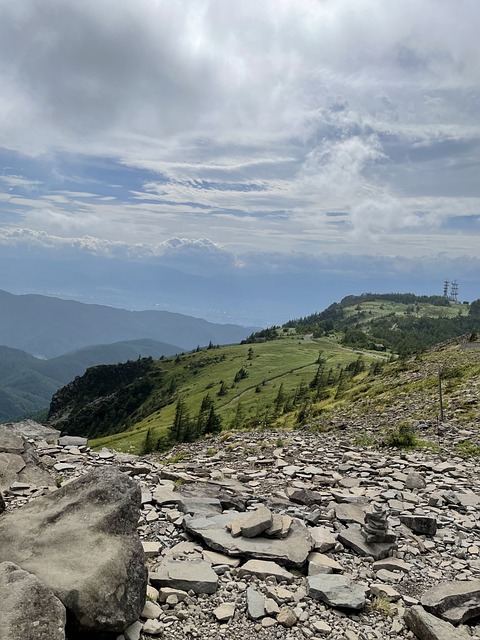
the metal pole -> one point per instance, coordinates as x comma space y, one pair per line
440, 398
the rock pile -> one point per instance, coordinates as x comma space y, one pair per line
280, 535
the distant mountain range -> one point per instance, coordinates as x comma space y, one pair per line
48, 327
28, 383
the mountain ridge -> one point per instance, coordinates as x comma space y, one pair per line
48, 327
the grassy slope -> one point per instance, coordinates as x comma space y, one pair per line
288, 361
406, 391
380, 308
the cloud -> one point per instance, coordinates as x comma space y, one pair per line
243, 123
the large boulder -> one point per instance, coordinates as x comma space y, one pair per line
81, 541
28, 608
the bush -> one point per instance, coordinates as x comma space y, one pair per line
400, 437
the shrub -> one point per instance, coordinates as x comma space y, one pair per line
401, 436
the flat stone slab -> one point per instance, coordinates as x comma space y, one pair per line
426, 525
199, 506
264, 569
425, 626
337, 591
455, 602
320, 563
72, 441
196, 575
349, 513
353, 539
291, 551
164, 495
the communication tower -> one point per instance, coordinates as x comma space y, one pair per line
454, 291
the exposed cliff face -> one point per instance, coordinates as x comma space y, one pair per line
99, 402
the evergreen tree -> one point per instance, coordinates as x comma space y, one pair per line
279, 400
237, 420
214, 422
202, 416
178, 430
150, 444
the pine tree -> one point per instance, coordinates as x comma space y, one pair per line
214, 422
181, 423
279, 400
237, 420
149, 444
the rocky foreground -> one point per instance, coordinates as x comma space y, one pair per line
277, 535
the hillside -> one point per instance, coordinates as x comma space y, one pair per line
28, 383
281, 377
48, 327
402, 322
246, 386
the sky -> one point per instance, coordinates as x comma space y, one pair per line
241, 161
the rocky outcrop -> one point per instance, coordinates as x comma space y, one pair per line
81, 542
237, 594
29, 609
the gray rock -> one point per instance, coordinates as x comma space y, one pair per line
425, 626
286, 617
196, 574
353, 539
199, 506
291, 551
29, 609
72, 441
19, 462
81, 541
304, 496
415, 481
349, 513
455, 602
10, 440
323, 539
420, 524
134, 631
11, 464
258, 521
320, 563
164, 495
255, 604
337, 591
2, 504
264, 568
224, 611
32, 430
